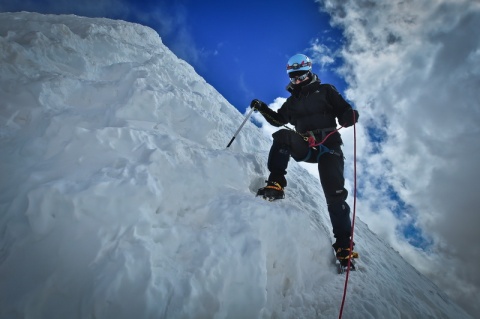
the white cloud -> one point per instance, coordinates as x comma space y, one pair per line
321, 54
413, 70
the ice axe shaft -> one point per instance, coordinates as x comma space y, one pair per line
241, 125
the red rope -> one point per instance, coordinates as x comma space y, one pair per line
354, 211
311, 139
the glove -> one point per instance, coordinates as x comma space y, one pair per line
259, 105
347, 118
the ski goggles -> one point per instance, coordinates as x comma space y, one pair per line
297, 66
299, 78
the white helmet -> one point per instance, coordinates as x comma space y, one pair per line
299, 62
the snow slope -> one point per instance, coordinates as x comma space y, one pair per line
118, 198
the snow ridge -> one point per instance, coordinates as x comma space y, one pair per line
119, 200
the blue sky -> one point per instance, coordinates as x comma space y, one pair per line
239, 47
244, 46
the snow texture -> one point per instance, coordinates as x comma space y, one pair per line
119, 199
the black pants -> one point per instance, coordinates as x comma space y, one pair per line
288, 143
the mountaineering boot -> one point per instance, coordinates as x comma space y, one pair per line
343, 254
272, 191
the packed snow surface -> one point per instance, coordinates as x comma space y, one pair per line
119, 198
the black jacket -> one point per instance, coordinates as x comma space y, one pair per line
313, 107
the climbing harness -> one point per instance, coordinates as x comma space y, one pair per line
310, 138
312, 143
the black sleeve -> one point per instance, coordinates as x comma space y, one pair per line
342, 109
274, 118
349, 117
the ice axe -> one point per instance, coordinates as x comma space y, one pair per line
241, 125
